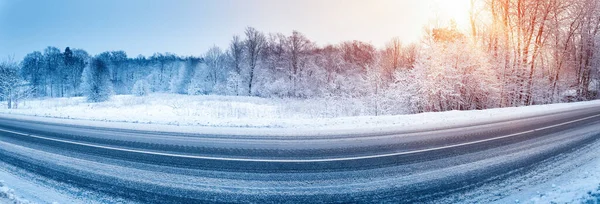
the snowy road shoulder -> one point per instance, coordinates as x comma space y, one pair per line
7, 195
566, 178
18, 190
221, 116
581, 185
21, 187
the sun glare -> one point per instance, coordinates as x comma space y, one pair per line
452, 10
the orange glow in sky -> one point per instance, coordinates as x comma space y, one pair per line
377, 21
191, 27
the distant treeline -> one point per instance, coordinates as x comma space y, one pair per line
517, 52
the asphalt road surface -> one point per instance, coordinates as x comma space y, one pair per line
403, 167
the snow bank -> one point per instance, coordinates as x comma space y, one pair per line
582, 185
579, 184
217, 114
18, 186
7, 195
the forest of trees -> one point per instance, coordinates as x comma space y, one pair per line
516, 53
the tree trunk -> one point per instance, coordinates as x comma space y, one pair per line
250, 83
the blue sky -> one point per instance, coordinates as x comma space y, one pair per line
190, 27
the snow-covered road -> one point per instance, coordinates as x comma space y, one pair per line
402, 166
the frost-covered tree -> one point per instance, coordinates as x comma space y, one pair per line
116, 63
141, 88
201, 83
33, 70
299, 49
9, 81
276, 78
216, 68
522, 52
255, 41
453, 75
234, 85
236, 54
54, 73
165, 70
96, 81
359, 55
330, 60
79, 62
54, 66
391, 58
186, 72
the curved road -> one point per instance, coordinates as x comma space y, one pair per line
379, 167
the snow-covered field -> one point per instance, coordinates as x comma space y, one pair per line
252, 112
173, 109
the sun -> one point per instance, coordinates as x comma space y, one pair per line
452, 10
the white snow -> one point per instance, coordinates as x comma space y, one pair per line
27, 192
218, 114
7, 195
21, 187
579, 185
